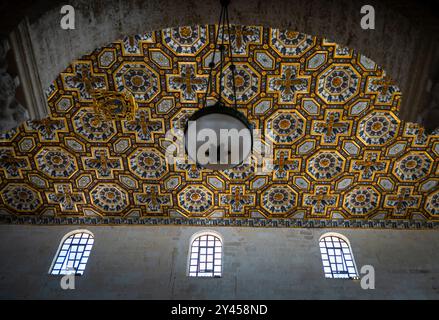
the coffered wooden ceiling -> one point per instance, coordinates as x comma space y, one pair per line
342, 156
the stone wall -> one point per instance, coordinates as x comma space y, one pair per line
12, 113
141, 262
396, 44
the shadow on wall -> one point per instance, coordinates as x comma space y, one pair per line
12, 113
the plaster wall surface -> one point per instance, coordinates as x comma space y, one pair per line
394, 44
141, 262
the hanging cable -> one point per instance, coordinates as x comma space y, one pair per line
222, 49
232, 65
212, 61
223, 24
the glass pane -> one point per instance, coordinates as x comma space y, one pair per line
74, 254
205, 253
337, 258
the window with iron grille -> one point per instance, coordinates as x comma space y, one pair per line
205, 256
338, 260
73, 254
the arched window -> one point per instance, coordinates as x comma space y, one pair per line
73, 253
205, 255
337, 257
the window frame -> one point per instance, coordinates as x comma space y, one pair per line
345, 240
60, 246
194, 237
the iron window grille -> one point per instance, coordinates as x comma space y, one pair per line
73, 254
337, 258
205, 257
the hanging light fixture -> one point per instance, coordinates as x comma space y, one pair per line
218, 136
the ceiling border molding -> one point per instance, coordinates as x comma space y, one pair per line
214, 222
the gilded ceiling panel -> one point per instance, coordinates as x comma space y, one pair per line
340, 153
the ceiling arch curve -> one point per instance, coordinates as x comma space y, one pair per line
341, 155
98, 23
